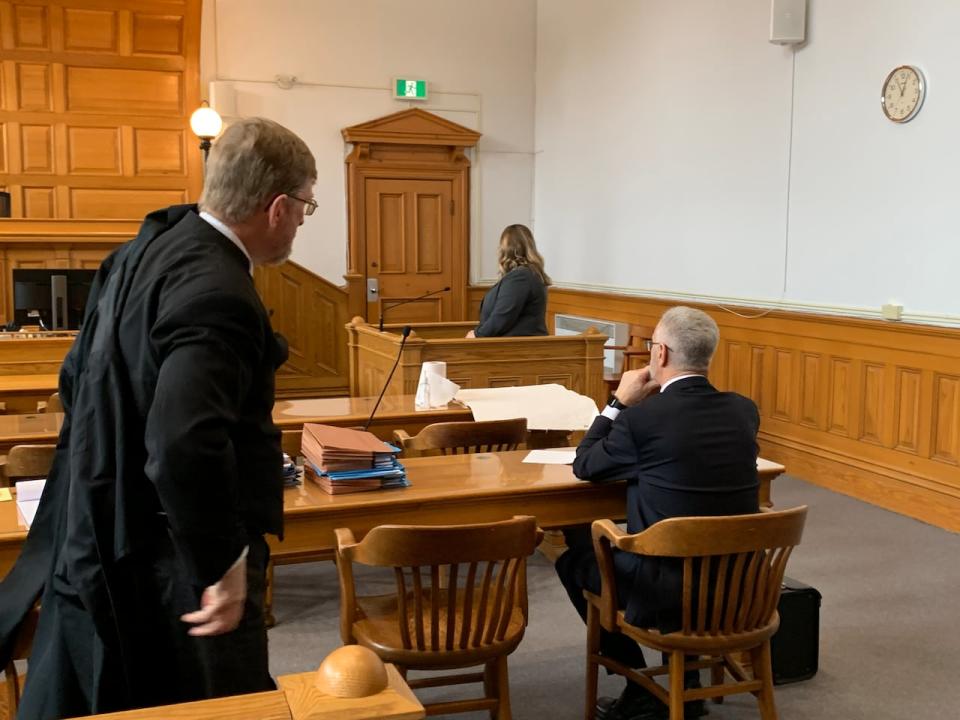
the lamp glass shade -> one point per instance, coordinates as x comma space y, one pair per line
205, 122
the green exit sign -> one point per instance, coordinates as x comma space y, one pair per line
404, 89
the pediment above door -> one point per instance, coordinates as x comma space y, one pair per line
412, 127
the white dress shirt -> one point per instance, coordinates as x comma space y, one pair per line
612, 412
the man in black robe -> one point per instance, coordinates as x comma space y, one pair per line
148, 546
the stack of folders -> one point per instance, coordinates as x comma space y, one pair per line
291, 475
341, 460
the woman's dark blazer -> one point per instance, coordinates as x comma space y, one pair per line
517, 305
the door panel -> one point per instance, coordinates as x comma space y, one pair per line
409, 248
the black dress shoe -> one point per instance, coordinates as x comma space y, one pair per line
626, 707
645, 707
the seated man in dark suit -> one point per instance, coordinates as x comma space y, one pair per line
686, 449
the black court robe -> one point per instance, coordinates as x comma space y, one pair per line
167, 466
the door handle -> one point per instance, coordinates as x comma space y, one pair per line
373, 289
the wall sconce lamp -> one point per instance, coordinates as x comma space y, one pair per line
206, 125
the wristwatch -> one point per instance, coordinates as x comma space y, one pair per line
616, 404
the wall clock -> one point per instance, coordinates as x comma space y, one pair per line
903, 93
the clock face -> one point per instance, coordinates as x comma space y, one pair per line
903, 92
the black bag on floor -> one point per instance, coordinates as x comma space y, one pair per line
795, 648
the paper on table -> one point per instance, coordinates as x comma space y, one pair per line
28, 499
30, 489
546, 407
28, 510
565, 456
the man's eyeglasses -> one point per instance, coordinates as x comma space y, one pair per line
311, 205
650, 343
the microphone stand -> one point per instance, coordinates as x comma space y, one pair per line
404, 302
403, 341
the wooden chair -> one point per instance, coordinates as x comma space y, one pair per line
476, 617
51, 404
29, 462
732, 571
635, 354
459, 438
21, 651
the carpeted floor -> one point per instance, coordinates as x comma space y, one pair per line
889, 637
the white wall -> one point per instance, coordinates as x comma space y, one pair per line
477, 57
670, 134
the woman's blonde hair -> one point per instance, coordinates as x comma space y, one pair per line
519, 249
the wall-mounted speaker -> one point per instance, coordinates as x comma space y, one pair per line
788, 21
223, 98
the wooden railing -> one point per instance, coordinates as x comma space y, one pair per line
868, 408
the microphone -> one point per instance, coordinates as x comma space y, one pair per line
403, 341
384, 308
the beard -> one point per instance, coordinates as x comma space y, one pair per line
281, 256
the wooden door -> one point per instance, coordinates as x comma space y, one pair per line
410, 249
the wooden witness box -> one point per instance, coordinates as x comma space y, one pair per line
574, 361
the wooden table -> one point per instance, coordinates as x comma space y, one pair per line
297, 698
447, 489
458, 489
394, 412
21, 393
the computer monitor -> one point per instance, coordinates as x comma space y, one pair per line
52, 298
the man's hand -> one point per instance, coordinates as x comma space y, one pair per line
221, 605
635, 385
470, 334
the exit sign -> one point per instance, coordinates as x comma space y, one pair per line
404, 89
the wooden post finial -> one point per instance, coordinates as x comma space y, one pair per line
351, 671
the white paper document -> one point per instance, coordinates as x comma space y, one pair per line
563, 456
28, 499
546, 407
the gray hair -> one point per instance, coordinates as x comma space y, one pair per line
252, 162
692, 336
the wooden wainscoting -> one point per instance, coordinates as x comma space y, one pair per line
868, 408
37, 244
307, 309
95, 101
311, 313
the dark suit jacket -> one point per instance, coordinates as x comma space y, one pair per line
689, 450
517, 305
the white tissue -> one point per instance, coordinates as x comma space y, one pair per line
433, 389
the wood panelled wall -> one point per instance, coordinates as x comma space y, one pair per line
311, 314
309, 311
33, 244
868, 408
95, 101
